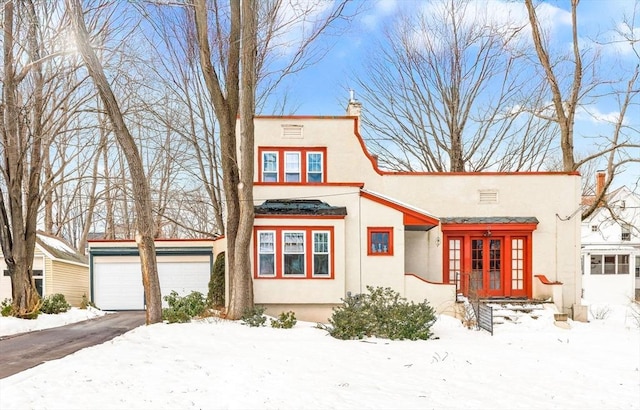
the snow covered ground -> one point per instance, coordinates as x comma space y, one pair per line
214, 364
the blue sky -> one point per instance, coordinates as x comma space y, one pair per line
322, 89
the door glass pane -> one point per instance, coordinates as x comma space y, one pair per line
517, 264
477, 264
495, 264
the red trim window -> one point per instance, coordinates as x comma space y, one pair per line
380, 241
293, 252
292, 165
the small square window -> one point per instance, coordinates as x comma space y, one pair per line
594, 228
380, 241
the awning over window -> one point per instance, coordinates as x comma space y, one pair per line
298, 207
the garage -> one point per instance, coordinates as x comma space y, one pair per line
184, 266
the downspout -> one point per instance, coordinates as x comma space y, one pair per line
360, 239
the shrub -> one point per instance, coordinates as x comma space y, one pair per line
54, 304
381, 313
183, 308
215, 296
286, 320
254, 316
6, 308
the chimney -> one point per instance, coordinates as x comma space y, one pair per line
354, 107
600, 180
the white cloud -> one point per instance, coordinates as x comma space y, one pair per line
382, 9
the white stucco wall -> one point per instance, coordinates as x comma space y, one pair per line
553, 198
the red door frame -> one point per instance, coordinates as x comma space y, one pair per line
506, 232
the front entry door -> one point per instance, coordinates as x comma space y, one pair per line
487, 277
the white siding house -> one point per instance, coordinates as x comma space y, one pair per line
611, 249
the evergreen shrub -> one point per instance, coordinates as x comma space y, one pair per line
54, 304
286, 320
254, 316
215, 296
183, 308
381, 313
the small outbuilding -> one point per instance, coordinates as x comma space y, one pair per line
57, 268
184, 266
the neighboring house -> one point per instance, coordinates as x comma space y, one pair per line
329, 222
57, 268
184, 266
611, 247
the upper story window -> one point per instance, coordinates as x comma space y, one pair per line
292, 165
626, 232
594, 228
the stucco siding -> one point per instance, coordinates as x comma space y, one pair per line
552, 198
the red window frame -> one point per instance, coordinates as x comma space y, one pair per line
370, 244
303, 151
279, 251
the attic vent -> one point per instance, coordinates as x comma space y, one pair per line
292, 131
488, 196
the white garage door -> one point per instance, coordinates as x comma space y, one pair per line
118, 286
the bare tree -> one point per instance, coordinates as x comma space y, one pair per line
143, 204
22, 143
567, 97
445, 91
224, 92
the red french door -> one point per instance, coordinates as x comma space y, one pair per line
487, 275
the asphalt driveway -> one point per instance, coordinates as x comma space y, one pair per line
26, 350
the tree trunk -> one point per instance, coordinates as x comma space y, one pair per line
142, 197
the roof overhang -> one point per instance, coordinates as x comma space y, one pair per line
491, 223
414, 219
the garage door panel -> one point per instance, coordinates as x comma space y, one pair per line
118, 286
183, 278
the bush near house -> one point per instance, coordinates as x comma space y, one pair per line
215, 296
183, 308
254, 317
286, 320
54, 304
381, 313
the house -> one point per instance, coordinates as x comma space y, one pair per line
611, 247
57, 268
329, 222
184, 266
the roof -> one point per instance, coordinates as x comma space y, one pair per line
415, 219
490, 220
298, 207
58, 249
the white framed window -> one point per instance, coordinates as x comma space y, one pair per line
638, 267
269, 167
266, 253
314, 167
321, 255
291, 167
293, 247
594, 228
626, 232
610, 264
